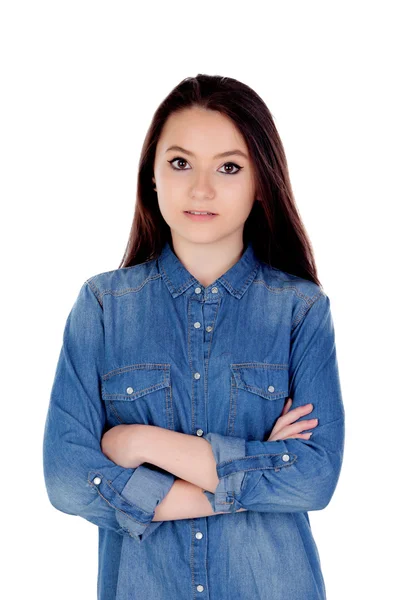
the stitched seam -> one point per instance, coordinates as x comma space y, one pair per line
266, 366
304, 311
108, 482
254, 456
137, 367
288, 288
130, 289
152, 388
95, 291
114, 410
225, 494
120, 509
232, 406
261, 392
186, 284
241, 290
275, 467
232, 460
215, 309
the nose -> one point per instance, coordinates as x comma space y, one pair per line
201, 186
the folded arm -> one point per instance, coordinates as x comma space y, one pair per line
79, 478
185, 501
291, 475
188, 457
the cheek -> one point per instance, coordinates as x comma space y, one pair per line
239, 195
239, 209
168, 208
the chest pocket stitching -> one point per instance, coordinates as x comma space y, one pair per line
116, 382
258, 377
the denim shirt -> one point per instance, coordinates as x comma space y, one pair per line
150, 344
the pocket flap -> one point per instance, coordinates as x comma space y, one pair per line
133, 381
271, 381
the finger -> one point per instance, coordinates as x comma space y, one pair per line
304, 436
300, 426
292, 415
281, 436
287, 405
294, 428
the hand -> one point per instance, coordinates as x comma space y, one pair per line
283, 428
121, 444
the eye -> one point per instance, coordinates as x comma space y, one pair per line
182, 160
234, 165
178, 158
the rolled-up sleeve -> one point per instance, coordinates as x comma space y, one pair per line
291, 475
80, 480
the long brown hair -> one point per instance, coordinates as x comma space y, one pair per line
274, 225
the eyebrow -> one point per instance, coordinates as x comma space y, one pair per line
222, 155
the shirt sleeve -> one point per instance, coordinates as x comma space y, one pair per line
79, 478
291, 475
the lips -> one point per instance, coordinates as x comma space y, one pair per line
200, 218
188, 211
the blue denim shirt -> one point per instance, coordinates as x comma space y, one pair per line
150, 344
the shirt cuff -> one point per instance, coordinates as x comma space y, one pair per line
138, 499
225, 450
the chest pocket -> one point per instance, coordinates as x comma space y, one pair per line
257, 396
139, 393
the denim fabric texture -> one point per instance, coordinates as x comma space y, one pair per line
149, 344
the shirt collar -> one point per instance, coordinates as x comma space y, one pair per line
236, 280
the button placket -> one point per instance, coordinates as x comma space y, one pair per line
198, 352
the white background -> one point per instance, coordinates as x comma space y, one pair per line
80, 83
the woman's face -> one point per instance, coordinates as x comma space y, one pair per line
193, 177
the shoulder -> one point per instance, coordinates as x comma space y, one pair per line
301, 293
281, 282
123, 280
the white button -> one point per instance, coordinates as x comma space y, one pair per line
209, 328
129, 390
198, 290
286, 457
214, 290
271, 388
200, 588
199, 535
197, 325
97, 480
197, 375
199, 432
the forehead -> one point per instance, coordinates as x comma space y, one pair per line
204, 132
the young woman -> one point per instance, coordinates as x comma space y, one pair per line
196, 415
